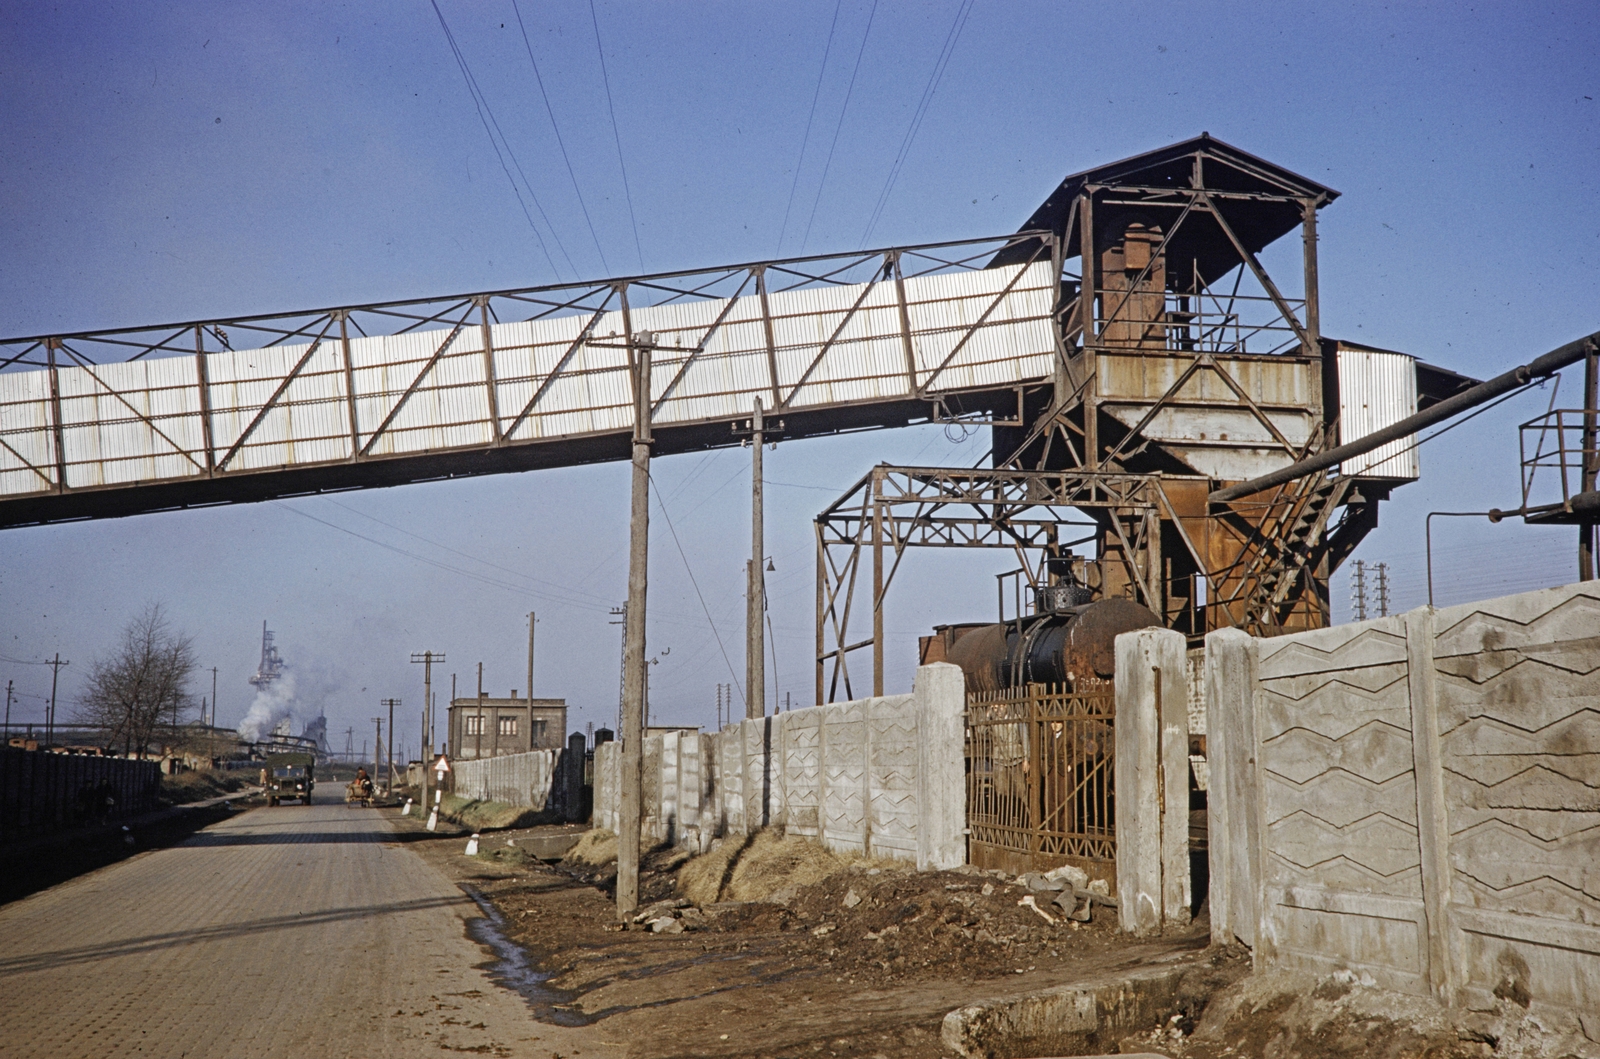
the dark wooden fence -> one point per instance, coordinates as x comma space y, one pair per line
41, 791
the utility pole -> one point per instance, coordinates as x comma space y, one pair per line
641, 347
533, 620
391, 703
55, 672
427, 658
755, 681
377, 747
1382, 570
213, 697
9, 685
1358, 589
477, 709
1590, 461
621, 614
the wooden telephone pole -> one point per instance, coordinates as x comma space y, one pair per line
755, 681
640, 347
427, 658
391, 703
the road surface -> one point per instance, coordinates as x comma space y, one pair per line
236, 942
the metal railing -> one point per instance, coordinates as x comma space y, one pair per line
1040, 763
1562, 444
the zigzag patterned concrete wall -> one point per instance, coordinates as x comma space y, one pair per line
1424, 799
883, 776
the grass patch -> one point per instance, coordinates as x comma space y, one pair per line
597, 847
486, 815
510, 856
756, 867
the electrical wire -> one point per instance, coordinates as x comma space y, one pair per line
805, 139
1476, 412
481, 103
495, 582
698, 594
939, 67
559, 142
467, 555
839, 125
615, 135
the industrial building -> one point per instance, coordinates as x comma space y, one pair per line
488, 727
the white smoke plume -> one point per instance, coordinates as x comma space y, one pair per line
272, 704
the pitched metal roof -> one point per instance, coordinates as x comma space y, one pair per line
1147, 189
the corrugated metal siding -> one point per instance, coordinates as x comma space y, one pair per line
1375, 391
149, 429
26, 461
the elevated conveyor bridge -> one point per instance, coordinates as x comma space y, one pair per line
110, 423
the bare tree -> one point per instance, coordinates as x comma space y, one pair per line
140, 688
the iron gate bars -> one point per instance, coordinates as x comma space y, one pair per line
897, 508
1040, 769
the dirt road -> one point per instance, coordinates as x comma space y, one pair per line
230, 945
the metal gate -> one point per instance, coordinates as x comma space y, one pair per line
1039, 779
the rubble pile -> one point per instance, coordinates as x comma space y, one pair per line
896, 924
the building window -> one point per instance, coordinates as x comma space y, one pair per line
474, 724
508, 726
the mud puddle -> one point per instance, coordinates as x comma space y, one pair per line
513, 969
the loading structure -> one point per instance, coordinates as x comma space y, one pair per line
1183, 368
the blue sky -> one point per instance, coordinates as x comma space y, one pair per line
184, 160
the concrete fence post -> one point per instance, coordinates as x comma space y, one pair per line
939, 701
1233, 808
1152, 780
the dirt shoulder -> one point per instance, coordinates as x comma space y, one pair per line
865, 963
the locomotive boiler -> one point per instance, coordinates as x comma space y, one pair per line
1068, 641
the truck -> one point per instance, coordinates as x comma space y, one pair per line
289, 776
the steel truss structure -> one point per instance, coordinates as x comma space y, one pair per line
107, 423
1184, 366
894, 508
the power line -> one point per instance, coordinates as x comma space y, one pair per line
481, 103
615, 135
698, 594
495, 582
465, 555
1358, 589
839, 125
815, 95
939, 66
559, 142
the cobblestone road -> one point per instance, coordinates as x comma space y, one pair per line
232, 943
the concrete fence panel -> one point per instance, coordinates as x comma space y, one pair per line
882, 776
525, 780
1415, 798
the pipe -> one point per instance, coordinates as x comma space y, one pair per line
1542, 368
1585, 503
